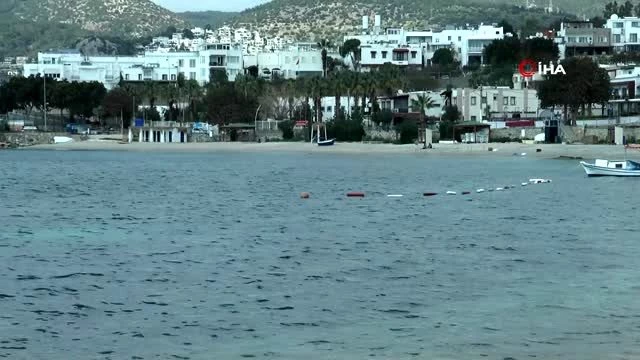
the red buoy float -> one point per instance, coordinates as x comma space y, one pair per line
430, 194
355, 194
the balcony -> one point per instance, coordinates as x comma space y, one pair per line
400, 62
217, 64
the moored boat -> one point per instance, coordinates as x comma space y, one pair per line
603, 167
326, 142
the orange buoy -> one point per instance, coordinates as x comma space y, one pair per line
355, 194
304, 195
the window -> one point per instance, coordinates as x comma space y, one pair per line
616, 38
571, 39
414, 54
633, 37
513, 100
192, 63
473, 100
126, 76
384, 54
164, 77
505, 101
448, 38
202, 59
192, 75
329, 108
459, 38
373, 54
181, 63
473, 118
635, 24
484, 99
617, 25
139, 76
173, 77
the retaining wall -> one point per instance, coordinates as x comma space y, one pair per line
34, 138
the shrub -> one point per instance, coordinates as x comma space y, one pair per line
408, 132
287, 129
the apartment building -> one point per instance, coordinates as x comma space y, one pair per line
624, 33
416, 48
582, 38
495, 103
154, 66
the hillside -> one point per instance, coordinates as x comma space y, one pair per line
215, 19
320, 19
130, 18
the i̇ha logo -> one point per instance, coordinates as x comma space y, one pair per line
528, 68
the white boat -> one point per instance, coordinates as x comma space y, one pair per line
61, 139
612, 168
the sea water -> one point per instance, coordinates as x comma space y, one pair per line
114, 255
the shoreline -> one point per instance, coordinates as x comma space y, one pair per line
500, 149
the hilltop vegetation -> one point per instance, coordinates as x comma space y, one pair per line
214, 19
316, 19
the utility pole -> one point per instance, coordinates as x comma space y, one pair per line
44, 102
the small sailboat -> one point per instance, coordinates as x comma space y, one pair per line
324, 141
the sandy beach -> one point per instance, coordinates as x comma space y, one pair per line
499, 149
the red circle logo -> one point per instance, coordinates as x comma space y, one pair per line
527, 67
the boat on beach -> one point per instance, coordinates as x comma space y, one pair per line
603, 167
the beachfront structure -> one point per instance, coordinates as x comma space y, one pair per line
401, 105
416, 48
625, 33
161, 132
496, 103
582, 38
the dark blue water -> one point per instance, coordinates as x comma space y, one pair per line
110, 255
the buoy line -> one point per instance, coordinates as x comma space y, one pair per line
360, 194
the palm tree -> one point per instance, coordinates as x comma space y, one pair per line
324, 44
338, 85
423, 102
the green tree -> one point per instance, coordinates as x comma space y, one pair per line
443, 57
503, 52
626, 9
585, 83
324, 45
507, 28
540, 49
422, 103
408, 130
351, 48
116, 103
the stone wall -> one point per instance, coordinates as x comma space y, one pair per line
201, 138
514, 134
376, 134
572, 134
268, 135
34, 138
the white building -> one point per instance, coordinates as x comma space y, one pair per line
301, 60
491, 103
624, 33
406, 48
155, 66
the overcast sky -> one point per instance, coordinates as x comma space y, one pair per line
201, 5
